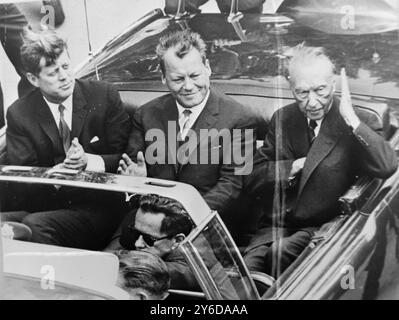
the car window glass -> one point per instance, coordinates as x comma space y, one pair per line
220, 257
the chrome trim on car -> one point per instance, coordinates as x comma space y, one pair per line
186, 293
16, 169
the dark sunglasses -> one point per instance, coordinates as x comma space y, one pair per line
149, 240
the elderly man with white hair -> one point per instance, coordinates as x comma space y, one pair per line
313, 152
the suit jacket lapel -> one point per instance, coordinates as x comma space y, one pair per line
206, 120
46, 120
169, 117
299, 145
331, 130
79, 110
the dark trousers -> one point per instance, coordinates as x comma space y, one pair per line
271, 251
82, 226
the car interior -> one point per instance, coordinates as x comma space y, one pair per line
355, 197
263, 106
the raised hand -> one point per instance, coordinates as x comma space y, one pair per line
76, 157
130, 168
346, 108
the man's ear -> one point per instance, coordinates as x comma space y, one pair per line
334, 83
179, 238
163, 79
143, 295
33, 79
208, 67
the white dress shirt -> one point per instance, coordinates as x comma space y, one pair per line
195, 112
94, 161
56, 112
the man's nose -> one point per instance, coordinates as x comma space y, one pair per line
188, 84
312, 99
140, 244
62, 74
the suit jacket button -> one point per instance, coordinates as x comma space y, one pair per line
288, 211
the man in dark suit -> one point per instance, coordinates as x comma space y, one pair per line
193, 135
69, 124
311, 155
12, 22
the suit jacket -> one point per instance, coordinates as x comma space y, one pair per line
181, 276
217, 182
333, 161
33, 138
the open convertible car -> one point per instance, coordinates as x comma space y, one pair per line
352, 257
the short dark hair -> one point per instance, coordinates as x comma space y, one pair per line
141, 269
176, 220
182, 42
46, 44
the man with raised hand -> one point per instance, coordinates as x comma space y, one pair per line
143, 275
313, 152
194, 134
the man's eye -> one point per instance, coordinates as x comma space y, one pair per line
177, 80
302, 93
195, 76
65, 66
320, 89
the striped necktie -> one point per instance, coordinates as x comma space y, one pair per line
65, 133
184, 123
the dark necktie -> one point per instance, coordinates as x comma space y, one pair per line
312, 125
65, 133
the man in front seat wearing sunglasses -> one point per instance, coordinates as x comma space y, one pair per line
158, 226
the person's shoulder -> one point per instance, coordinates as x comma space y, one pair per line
93, 85
226, 101
287, 112
24, 104
229, 107
173, 257
158, 103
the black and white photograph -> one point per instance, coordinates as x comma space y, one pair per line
211, 151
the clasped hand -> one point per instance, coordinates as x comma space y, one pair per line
76, 157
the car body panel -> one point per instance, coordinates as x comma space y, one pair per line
59, 266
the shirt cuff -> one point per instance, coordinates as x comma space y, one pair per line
354, 123
95, 163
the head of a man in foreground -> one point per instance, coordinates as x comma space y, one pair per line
143, 275
160, 224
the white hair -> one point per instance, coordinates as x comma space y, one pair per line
302, 55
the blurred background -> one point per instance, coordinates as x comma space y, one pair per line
106, 19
